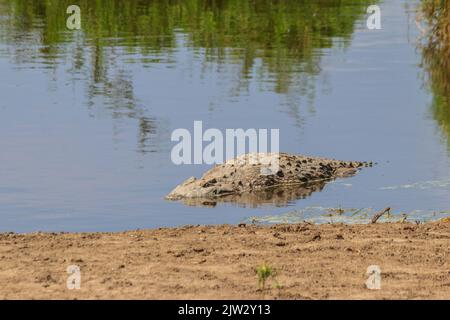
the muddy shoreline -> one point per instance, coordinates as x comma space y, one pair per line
327, 261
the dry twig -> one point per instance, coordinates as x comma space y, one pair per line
379, 214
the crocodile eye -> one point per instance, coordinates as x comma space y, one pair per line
280, 173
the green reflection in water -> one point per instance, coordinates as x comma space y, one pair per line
272, 30
280, 43
436, 57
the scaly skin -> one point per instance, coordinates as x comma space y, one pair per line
244, 181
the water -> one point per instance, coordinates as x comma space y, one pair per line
86, 116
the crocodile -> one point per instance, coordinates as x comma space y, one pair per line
243, 181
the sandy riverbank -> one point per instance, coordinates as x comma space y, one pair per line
214, 262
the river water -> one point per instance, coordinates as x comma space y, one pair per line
86, 115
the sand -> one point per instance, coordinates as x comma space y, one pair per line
218, 262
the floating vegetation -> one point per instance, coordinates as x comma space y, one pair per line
424, 185
348, 215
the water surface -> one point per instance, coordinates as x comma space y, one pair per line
86, 116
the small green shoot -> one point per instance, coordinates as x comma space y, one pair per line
264, 272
